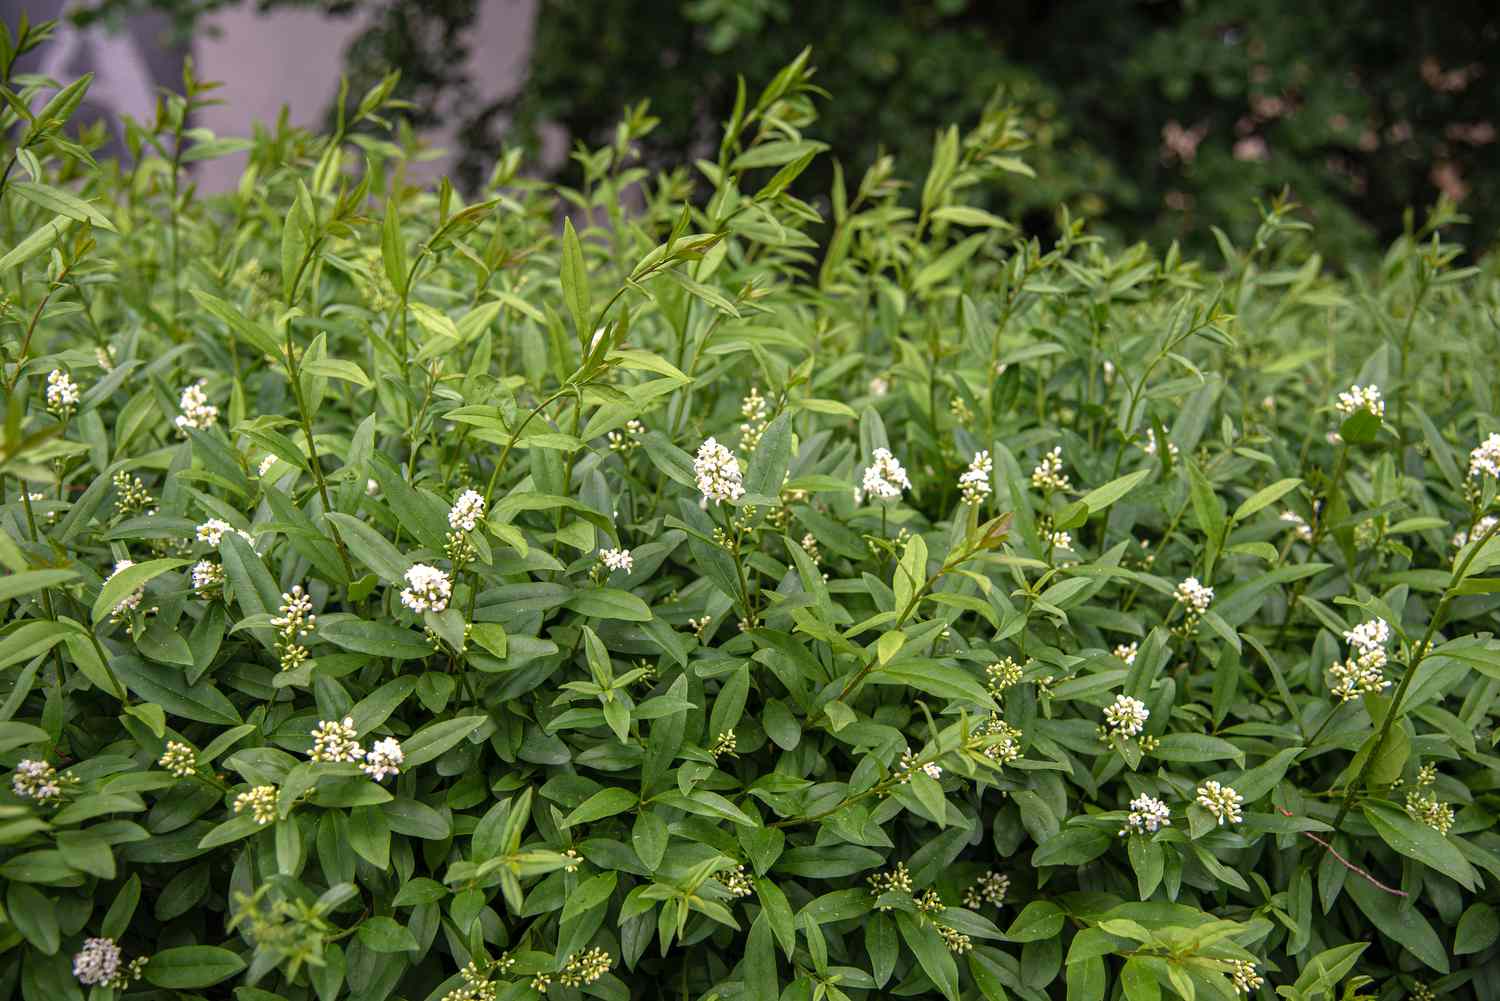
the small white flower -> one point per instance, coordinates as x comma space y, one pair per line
884, 477
372, 487
1048, 474
618, 559
1367, 636
1061, 540
718, 473
36, 780
428, 589
1357, 398
467, 512
1150, 445
206, 575
62, 392
1300, 528
974, 483
1221, 801
385, 758
1126, 715
1127, 652
197, 412
265, 465
1484, 460
879, 386
1147, 816
1194, 596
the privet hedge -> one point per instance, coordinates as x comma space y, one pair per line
718, 595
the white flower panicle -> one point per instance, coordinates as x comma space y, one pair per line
1002, 675
467, 512
909, 765
1147, 816
384, 758
585, 968
180, 759
197, 412
1061, 540
101, 964
1484, 459
295, 623
131, 601
884, 478
36, 780
1048, 474
1126, 715
1358, 398
1481, 528
1246, 980
974, 482
265, 465
617, 559
629, 439
989, 888
62, 392
207, 576
754, 409
1364, 672
1194, 596
260, 801
1003, 741
1221, 801
427, 589
334, 740
1127, 652
213, 531
718, 473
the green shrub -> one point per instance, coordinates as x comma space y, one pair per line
412, 599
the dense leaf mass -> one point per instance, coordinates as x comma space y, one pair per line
719, 595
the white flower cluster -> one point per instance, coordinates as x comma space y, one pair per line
879, 386
884, 477
36, 780
990, 888
1061, 540
131, 601
385, 757
1481, 528
335, 740
617, 559
260, 801
101, 964
265, 465
62, 392
1221, 801
629, 439
909, 765
427, 589
1484, 459
1127, 652
467, 511
718, 473
207, 575
295, 623
197, 412
1126, 716
213, 531
1246, 980
974, 482
1364, 671
1003, 741
1147, 816
180, 759
754, 409
1193, 596
1048, 474
1358, 398
585, 968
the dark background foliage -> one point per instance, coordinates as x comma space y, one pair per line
1154, 118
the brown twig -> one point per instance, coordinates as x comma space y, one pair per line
1347, 864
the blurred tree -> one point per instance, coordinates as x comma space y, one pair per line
1156, 118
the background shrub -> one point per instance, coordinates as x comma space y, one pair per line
406, 598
